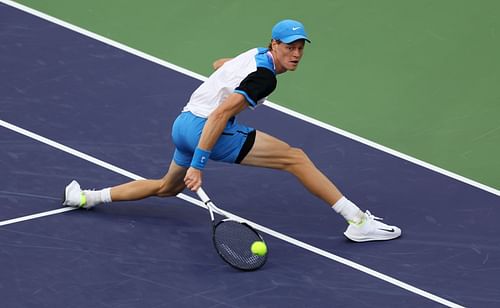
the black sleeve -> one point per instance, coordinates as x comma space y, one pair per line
257, 85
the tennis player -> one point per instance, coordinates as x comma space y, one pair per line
207, 128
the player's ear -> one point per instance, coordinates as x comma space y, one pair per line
273, 44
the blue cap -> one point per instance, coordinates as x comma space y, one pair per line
288, 31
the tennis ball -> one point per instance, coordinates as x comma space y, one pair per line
259, 248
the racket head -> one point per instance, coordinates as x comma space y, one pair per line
233, 241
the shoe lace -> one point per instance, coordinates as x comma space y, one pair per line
370, 216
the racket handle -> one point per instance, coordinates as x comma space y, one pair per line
203, 196
210, 205
205, 199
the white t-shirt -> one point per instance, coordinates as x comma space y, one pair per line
251, 74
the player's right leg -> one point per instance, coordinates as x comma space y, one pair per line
170, 185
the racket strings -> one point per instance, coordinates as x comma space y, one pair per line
233, 242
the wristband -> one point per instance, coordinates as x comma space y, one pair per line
200, 158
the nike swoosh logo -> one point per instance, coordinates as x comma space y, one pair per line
388, 230
295, 28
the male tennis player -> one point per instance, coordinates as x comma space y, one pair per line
207, 129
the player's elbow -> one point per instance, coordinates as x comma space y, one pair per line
218, 63
233, 105
219, 115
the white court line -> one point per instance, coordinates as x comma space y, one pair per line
267, 103
194, 201
35, 216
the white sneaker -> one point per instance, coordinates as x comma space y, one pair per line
371, 229
73, 195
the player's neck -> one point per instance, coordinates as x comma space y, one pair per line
278, 68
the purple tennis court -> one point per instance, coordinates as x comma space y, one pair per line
118, 108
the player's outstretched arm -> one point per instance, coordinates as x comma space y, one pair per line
216, 122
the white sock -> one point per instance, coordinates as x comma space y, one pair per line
95, 197
348, 210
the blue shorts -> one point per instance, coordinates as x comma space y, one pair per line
234, 143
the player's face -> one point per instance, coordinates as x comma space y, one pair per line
287, 56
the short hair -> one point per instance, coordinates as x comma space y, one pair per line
270, 46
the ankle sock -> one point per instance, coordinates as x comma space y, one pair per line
348, 210
95, 197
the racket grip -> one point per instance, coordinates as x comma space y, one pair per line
210, 205
203, 196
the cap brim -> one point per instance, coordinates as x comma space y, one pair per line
293, 38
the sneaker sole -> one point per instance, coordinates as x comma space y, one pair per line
371, 239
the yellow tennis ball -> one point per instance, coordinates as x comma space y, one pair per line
259, 248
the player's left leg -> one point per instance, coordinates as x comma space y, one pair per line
270, 152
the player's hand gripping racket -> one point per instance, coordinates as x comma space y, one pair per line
233, 240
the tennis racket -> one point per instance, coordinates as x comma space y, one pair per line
233, 240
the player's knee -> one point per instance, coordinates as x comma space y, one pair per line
166, 189
299, 156
296, 158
